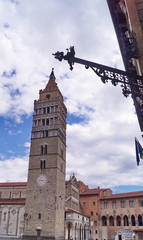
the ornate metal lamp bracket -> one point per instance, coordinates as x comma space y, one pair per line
130, 84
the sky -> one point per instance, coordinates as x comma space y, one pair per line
101, 122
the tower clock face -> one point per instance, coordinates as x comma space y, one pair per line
41, 180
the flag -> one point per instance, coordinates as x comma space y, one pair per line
139, 151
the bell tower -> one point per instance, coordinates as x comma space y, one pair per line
45, 199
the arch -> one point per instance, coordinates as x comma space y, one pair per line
69, 230
140, 220
104, 221
12, 219
111, 221
75, 230
126, 221
80, 232
133, 221
42, 163
118, 221
84, 232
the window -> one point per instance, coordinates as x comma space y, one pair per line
140, 220
42, 149
105, 205
44, 110
46, 133
0, 194
62, 152
123, 204
52, 108
133, 221
91, 213
93, 203
111, 221
39, 216
42, 163
48, 109
131, 203
114, 204
47, 121
95, 223
43, 122
45, 149
62, 167
48, 96
96, 231
118, 221
10, 195
104, 221
84, 203
126, 221
4, 216
140, 202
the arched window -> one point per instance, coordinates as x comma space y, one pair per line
48, 96
62, 152
133, 222
47, 121
44, 149
118, 221
126, 221
104, 221
42, 163
140, 220
111, 221
39, 216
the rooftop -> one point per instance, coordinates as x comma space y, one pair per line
124, 195
13, 184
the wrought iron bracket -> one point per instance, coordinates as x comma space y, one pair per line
130, 83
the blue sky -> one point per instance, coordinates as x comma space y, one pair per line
101, 123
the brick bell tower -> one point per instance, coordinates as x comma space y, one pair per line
45, 199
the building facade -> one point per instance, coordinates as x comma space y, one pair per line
127, 17
113, 216
12, 209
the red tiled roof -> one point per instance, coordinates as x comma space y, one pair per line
13, 201
13, 184
124, 195
93, 191
69, 210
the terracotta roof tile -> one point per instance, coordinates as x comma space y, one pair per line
124, 195
12, 201
93, 191
13, 184
69, 210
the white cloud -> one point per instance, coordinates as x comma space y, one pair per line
14, 169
